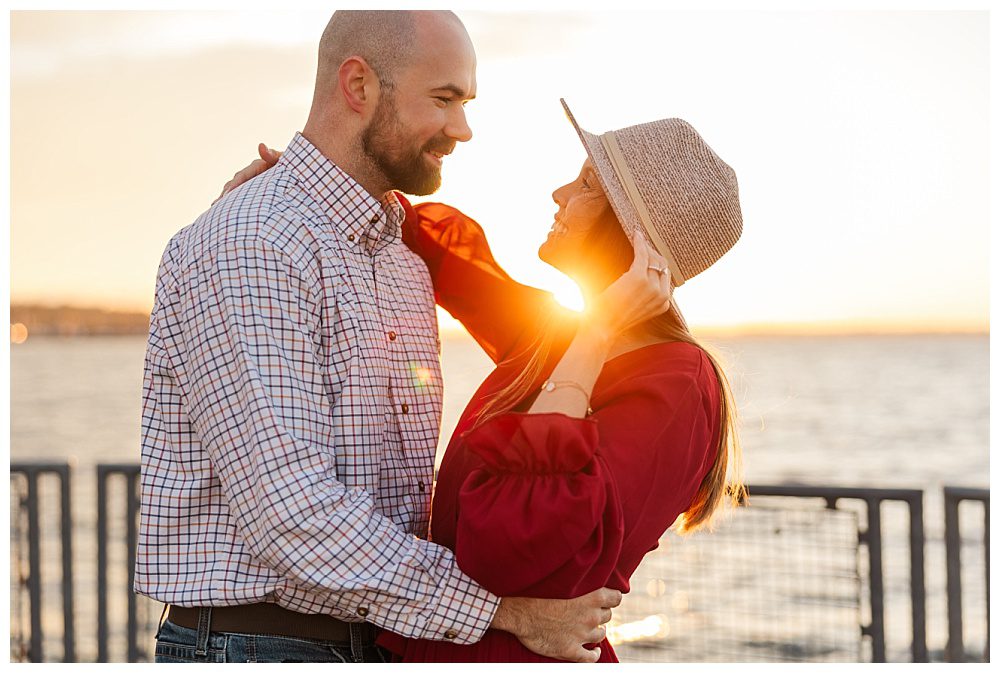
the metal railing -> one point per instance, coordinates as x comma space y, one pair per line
871, 538
31, 472
779, 581
130, 472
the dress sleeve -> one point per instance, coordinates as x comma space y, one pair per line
544, 516
469, 284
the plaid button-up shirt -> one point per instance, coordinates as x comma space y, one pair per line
291, 410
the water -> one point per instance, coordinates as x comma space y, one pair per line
910, 411
883, 411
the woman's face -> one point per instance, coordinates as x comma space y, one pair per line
582, 206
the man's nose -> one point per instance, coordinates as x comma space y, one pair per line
458, 126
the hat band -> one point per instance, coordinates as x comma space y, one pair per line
614, 151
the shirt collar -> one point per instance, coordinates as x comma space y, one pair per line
356, 215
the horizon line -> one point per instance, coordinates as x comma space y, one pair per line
846, 327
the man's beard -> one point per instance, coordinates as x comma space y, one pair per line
405, 169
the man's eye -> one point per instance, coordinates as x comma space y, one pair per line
443, 100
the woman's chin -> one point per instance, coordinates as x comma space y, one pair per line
545, 252
551, 255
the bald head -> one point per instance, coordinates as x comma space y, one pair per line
386, 40
390, 93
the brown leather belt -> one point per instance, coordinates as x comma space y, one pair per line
271, 619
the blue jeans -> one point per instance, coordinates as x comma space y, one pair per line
177, 644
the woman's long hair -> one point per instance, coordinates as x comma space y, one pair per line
612, 256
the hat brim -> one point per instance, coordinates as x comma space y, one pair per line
628, 216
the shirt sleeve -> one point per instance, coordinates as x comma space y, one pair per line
259, 402
468, 283
545, 514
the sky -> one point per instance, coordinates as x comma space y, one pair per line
860, 140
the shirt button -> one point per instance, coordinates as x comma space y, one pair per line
422, 486
375, 219
350, 237
392, 336
362, 612
451, 634
405, 407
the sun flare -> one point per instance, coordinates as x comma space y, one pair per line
569, 296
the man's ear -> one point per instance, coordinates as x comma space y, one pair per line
358, 83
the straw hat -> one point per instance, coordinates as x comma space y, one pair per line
663, 180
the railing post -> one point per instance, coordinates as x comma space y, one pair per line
102, 564
917, 586
132, 537
955, 649
986, 544
34, 568
66, 533
873, 536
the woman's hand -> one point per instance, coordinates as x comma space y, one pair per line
641, 293
268, 158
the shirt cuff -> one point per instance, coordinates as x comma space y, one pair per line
466, 611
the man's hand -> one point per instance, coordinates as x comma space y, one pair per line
559, 628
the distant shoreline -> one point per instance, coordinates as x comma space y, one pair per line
806, 332
72, 321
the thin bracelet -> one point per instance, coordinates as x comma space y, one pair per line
551, 386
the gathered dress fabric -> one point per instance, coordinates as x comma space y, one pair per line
545, 505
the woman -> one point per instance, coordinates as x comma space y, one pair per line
596, 431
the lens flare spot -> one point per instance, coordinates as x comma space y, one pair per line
656, 588
650, 628
422, 376
18, 333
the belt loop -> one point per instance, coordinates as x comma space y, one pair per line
357, 641
204, 628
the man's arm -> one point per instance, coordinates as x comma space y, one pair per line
256, 397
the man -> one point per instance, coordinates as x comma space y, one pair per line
292, 388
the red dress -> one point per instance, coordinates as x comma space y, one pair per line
545, 505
